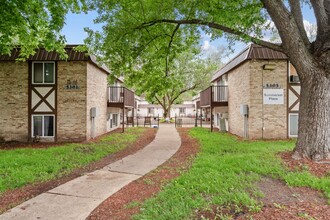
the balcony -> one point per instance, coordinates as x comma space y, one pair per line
120, 97
214, 96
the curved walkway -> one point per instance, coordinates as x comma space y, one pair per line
76, 199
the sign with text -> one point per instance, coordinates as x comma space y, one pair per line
273, 96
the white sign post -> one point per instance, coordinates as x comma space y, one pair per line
273, 96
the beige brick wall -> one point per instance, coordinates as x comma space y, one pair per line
239, 93
71, 106
96, 97
14, 101
273, 118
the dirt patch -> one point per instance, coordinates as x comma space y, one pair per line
127, 202
284, 202
319, 168
12, 198
279, 202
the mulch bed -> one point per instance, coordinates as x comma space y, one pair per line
14, 197
281, 201
319, 168
127, 202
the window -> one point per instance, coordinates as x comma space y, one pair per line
293, 75
43, 125
293, 125
43, 72
182, 110
115, 119
151, 111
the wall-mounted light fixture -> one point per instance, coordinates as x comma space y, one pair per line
269, 66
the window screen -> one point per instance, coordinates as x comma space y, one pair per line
293, 125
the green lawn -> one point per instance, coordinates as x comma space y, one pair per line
24, 166
224, 173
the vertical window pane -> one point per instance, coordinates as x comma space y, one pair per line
48, 125
37, 125
37, 72
294, 125
49, 72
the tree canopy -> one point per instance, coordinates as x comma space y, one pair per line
33, 24
135, 32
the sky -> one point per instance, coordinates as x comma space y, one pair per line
75, 34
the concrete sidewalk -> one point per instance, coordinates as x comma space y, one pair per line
76, 199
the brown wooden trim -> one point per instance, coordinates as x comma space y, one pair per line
31, 111
116, 104
293, 105
29, 100
55, 111
43, 99
211, 109
287, 98
294, 91
293, 112
42, 85
42, 113
219, 104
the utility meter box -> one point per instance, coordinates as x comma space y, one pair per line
244, 109
93, 112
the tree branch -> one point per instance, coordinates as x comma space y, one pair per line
322, 18
214, 26
169, 48
297, 14
183, 91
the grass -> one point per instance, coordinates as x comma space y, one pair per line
224, 173
25, 166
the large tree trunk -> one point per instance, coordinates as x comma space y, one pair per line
314, 115
167, 112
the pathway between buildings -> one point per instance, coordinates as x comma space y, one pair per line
77, 198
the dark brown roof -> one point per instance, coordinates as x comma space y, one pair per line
251, 52
43, 55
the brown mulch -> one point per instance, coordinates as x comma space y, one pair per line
318, 168
279, 202
14, 197
284, 202
127, 202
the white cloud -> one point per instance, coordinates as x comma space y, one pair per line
206, 45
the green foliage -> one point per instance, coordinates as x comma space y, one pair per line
34, 23
24, 166
224, 174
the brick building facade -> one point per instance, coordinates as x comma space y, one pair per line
261, 81
51, 99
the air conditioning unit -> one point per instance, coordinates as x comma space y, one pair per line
294, 79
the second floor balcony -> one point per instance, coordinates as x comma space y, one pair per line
214, 96
120, 97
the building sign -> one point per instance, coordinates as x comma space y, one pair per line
72, 84
273, 96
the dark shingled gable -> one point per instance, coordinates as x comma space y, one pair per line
252, 52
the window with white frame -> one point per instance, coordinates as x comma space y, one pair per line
182, 110
293, 125
43, 125
115, 119
151, 111
43, 72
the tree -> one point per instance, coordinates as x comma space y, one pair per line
147, 22
186, 74
34, 23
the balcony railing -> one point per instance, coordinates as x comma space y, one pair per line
119, 96
214, 96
